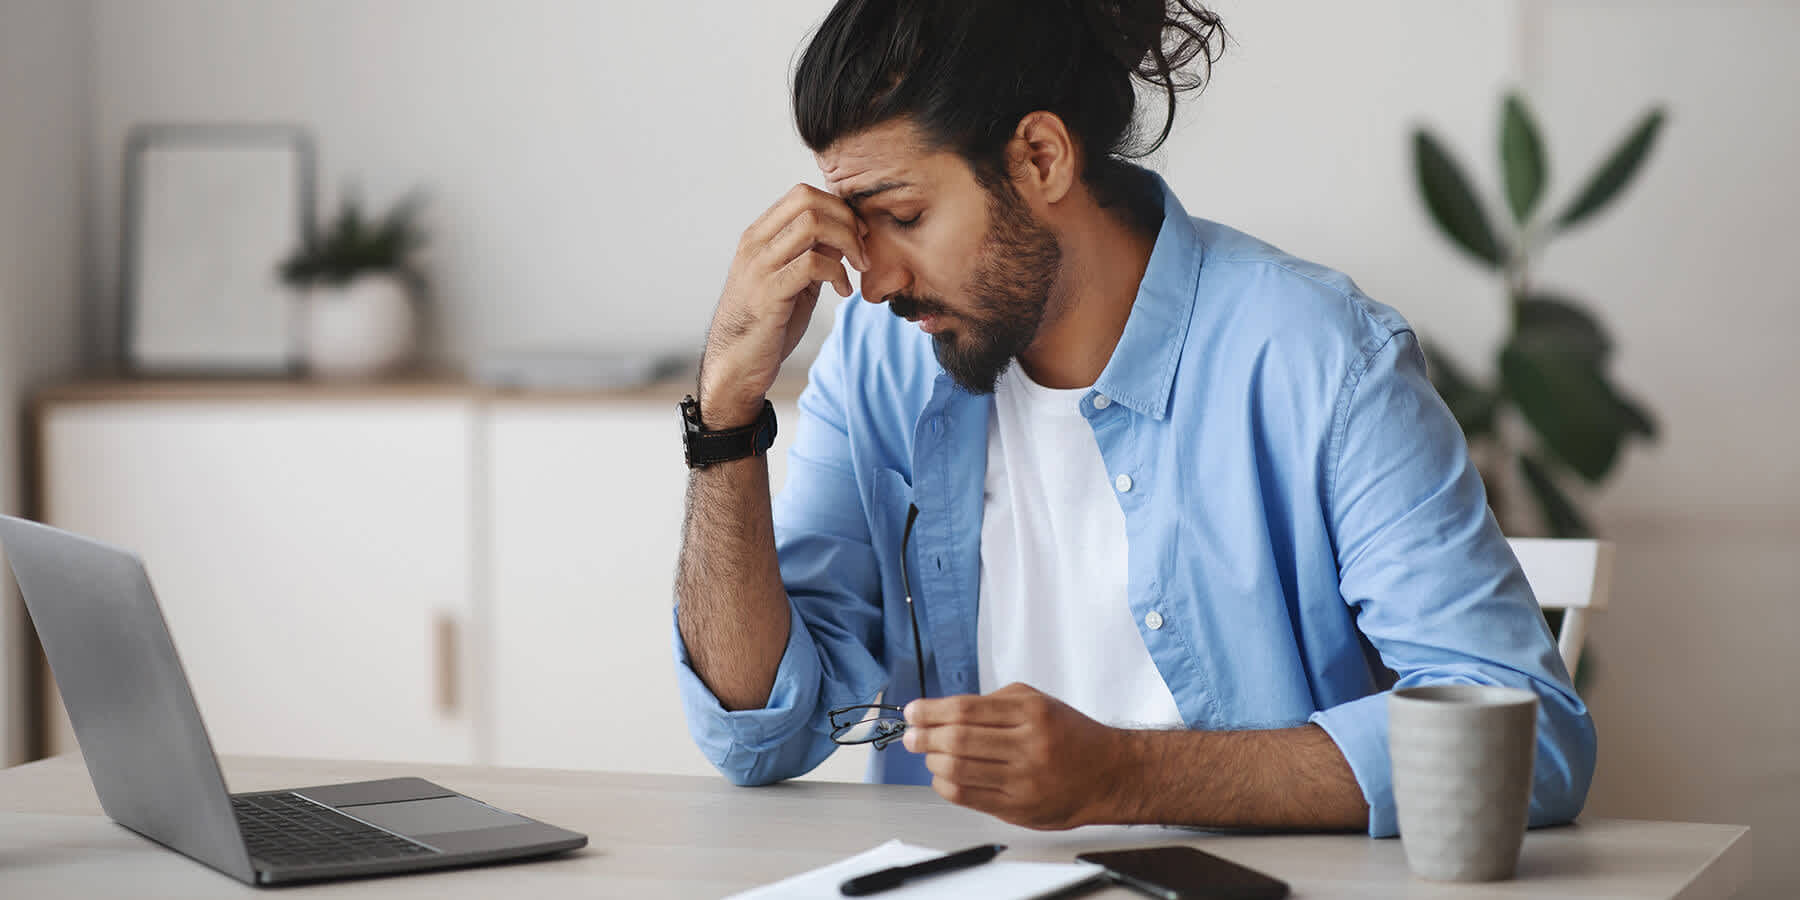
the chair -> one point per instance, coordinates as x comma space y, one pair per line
1571, 575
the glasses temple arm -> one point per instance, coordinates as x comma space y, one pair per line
912, 514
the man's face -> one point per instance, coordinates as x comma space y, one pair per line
974, 268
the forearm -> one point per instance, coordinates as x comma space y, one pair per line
733, 611
1288, 778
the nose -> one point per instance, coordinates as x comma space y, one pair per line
888, 272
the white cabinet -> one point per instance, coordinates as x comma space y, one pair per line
585, 504
312, 560
439, 574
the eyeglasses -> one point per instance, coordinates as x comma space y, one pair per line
879, 723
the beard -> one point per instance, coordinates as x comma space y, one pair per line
1017, 264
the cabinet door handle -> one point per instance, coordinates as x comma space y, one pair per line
449, 697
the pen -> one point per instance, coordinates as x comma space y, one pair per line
885, 879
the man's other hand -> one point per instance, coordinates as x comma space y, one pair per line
1020, 755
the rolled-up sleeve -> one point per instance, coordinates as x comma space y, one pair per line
1434, 585
832, 578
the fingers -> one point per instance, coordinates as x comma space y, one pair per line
803, 310
962, 770
797, 197
809, 268
818, 214
966, 741
998, 708
804, 303
811, 229
986, 800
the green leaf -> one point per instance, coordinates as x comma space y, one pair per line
400, 222
1561, 325
1452, 202
353, 244
1522, 156
1637, 419
1567, 401
1616, 172
1472, 405
1558, 372
1560, 515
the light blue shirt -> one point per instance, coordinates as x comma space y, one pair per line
1300, 508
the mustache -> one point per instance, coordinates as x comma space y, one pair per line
907, 306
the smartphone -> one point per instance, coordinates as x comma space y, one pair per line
1184, 873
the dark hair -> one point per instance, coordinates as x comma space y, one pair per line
966, 72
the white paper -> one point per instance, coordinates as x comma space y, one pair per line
997, 880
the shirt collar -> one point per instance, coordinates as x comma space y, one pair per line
1141, 373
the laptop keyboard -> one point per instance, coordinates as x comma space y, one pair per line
289, 830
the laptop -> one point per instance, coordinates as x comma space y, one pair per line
153, 766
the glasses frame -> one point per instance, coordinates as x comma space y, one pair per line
887, 730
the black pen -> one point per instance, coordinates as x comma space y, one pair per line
875, 882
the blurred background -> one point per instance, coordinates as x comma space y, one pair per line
500, 559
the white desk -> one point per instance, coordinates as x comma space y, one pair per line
653, 836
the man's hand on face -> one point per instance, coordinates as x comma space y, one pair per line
782, 259
1018, 754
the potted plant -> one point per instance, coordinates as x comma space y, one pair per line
359, 287
1553, 416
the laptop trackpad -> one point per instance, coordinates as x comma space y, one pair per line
435, 816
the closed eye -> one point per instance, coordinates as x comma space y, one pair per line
906, 223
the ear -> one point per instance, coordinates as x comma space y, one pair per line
1043, 158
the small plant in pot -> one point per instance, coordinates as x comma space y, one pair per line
359, 287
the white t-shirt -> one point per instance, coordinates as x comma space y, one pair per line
1054, 611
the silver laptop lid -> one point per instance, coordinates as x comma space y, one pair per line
147, 751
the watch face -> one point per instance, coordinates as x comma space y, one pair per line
688, 429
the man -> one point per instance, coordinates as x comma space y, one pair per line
1170, 503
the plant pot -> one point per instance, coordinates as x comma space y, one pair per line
362, 329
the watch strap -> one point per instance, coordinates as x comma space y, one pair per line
704, 448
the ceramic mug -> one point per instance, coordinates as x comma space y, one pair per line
1462, 757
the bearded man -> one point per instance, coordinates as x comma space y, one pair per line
1123, 516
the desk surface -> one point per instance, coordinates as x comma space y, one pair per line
655, 836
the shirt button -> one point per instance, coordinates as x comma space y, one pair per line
1153, 619
1123, 483
1101, 401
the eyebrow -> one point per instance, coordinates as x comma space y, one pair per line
857, 198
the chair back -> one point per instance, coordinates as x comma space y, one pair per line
1573, 575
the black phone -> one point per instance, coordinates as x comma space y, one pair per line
1184, 873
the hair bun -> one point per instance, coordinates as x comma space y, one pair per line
1157, 39
1128, 29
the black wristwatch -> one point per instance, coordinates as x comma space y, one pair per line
703, 447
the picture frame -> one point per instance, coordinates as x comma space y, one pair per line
209, 211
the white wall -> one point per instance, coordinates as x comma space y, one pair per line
589, 160
593, 164
1694, 692
43, 85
